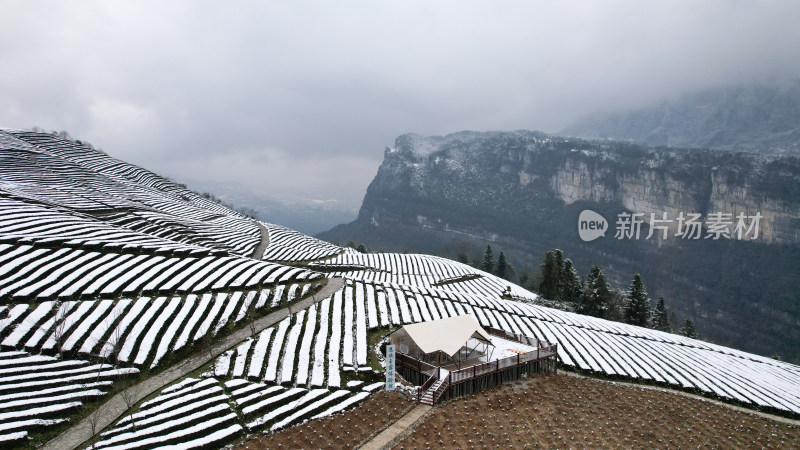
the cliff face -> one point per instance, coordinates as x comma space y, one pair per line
719, 188
477, 169
522, 192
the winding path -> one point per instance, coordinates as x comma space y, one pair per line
258, 253
398, 430
115, 407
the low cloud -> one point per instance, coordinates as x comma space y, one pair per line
304, 96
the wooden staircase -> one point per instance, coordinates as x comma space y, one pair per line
427, 396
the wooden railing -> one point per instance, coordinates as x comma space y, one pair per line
543, 350
442, 389
413, 363
457, 376
428, 383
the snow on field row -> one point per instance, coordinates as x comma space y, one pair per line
142, 331
52, 171
288, 245
327, 337
40, 391
203, 410
21, 220
284, 407
47, 274
589, 344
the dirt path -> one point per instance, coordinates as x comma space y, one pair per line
258, 253
107, 413
398, 430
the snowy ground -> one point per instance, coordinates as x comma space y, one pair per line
504, 348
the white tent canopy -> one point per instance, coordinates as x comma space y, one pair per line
444, 335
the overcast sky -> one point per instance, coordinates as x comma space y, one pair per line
303, 96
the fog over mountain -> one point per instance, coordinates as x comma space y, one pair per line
294, 209
258, 93
752, 118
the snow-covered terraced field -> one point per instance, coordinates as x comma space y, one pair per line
192, 414
38, 391
37, 272
314, 355
327, 338
129, 197
237, 235
22, 221
76, 168
103, 262
287, 245
205, 412
418, 271
141, 331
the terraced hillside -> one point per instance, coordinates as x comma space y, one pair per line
110, 274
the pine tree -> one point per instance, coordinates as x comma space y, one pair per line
502, 267
548, 281
688, 329
596, 295
488, 260
571, 288
638, 310
661, 316
558, 269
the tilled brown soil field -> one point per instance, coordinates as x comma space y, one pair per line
553, 411
562, 411
345, 430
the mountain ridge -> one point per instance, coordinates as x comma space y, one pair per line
434, 194
754, 118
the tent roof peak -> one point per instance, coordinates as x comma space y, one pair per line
445, 335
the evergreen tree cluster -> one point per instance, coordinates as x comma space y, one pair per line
501, 268
360, 247
558, 280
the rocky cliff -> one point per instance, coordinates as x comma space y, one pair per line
642, 180
522, 191
719, 183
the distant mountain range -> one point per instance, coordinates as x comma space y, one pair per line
753, 118
522, 192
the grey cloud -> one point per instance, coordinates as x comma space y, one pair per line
191, 87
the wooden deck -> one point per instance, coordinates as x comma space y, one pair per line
478, 372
